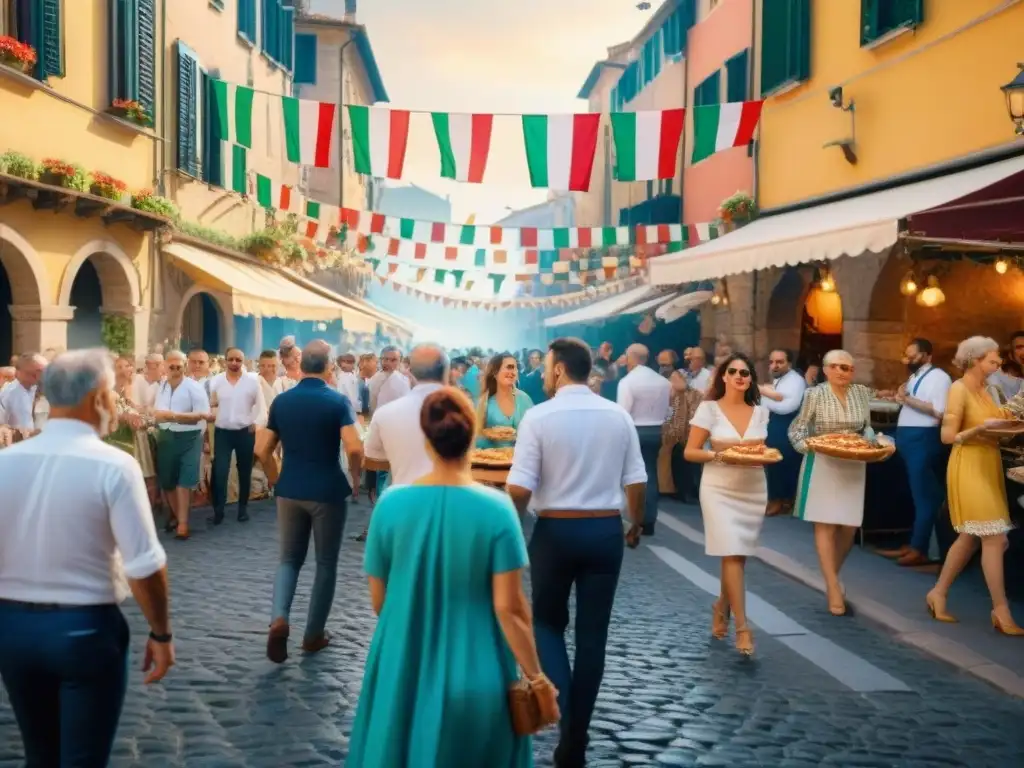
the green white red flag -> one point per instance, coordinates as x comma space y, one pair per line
232, 108
718, 127
308, 131
379, 139
273, 194
560, 150
464, 142
647, 143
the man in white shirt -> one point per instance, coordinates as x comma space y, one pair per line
699, 374
346, 380
17, 400
783, 398
76, 525
181, 411
918, 442
389, 383
646, 396
145, 384
578, 459
237, 401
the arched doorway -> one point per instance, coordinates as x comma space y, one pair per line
201, 323
804, 318
100, 280
22, 284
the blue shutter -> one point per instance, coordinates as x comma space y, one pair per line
188, 93
47, 37
709, 91
265, 11
288, 38
146, 49
305, 59
736, 88
247, 19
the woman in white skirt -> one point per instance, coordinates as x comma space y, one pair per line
830, 492
732, 498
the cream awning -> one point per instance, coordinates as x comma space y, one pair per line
866, 224
599, 310
260, 291
389, 321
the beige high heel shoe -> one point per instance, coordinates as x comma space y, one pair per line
719, 620
745, 641
1005, 627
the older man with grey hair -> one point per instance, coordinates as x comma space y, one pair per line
146, 384
17, 400
76, 524
646, 396
311, 422
389, 383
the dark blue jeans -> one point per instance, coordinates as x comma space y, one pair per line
925, 458
296, 522
65, 671
586, 553
650, 447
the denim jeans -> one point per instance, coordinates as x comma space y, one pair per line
242, 443
925, 458
65, 671
586, 553
296, 520
650, 447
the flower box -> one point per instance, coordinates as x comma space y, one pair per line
106, 186
131, 111
17, 55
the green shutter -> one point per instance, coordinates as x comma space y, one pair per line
880, 17
785, 43
188, 89
736, 88
709, 91
146, 49
213, 166
800, 41
48, 37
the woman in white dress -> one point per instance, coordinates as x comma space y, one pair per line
732, 498
830, 492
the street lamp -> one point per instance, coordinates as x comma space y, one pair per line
1014, 91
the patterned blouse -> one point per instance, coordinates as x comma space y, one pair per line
822, 413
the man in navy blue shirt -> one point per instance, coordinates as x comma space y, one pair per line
311, 421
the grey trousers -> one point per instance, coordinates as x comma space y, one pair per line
650, 446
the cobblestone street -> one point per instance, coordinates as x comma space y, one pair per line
822, 691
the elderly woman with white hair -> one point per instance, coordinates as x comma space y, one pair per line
974, 481
831, 491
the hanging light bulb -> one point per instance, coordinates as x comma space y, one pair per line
826, 282
932, 295
1001, 266
716, 300
908, 285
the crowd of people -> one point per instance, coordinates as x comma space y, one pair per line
98, 443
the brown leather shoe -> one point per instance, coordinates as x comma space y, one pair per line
913, 558
894, 554
316, 644
774, 508
277, 641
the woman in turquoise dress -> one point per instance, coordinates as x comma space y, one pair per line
445, 558
501, 404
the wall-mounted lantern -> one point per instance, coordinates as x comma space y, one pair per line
1014, 92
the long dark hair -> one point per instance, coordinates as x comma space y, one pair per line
752, 396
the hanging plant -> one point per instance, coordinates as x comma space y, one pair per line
737, 210
145, 200
132, 111
106, 186
118, 334
60, 173
16, 164
16, 54
265, 245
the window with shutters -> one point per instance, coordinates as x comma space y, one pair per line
305, 59
39, 23
277, 38
736, 82
709, 91
247, 20
133, 52
785, 43
189, 111
879, 18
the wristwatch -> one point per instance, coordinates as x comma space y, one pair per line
160, 638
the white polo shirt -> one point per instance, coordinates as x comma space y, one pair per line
144, 391
396, 437
930, 385
188, 397
16, 406
240, 404
646, 396
577, 451
791, 386
74, 503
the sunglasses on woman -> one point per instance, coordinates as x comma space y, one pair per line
743, 373
841, 367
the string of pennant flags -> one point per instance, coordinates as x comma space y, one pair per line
560, 148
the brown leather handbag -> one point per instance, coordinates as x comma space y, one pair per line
528, 716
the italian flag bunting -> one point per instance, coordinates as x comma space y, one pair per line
722, 126
273, 194
560, 150
232, 107
647, 143
464, 141
233, 172
308, 131
379, 139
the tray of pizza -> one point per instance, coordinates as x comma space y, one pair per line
751, 455
492, 458
851, 447
1016, 474
499, 434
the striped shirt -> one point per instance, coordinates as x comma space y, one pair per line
822, 413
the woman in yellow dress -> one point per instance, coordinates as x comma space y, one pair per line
974, 481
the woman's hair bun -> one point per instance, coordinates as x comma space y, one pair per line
448, 423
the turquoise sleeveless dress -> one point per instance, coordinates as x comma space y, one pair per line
497, 418
435, 687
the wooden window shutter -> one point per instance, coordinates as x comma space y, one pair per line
48, 37
146, 49
188, 85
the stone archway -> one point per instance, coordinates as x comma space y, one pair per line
25, 309
194, 315
101, 279
784, 313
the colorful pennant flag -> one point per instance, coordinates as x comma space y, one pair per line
308, 131
717, 127
379, 139
560, 150
232, 108
464, 141
273, 194
647, 143
233, 171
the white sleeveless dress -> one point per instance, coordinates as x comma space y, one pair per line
732, 499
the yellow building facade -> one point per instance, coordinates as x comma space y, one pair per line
68, 263
925, 92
